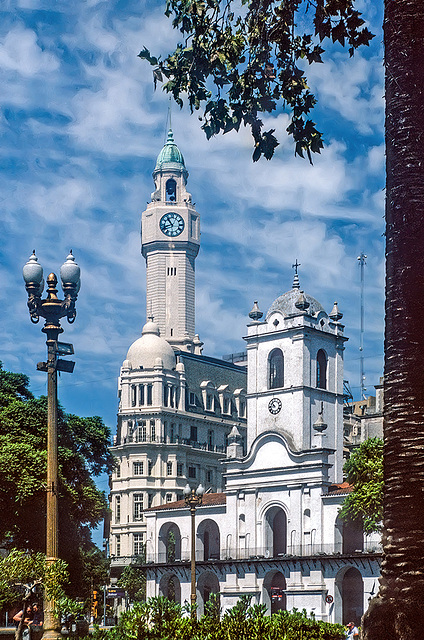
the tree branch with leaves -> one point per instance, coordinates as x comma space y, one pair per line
364, 470
241, 59
22, 572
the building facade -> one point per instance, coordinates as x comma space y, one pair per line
176, 406
275, 532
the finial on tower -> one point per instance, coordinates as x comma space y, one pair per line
150, 315
335, 314
256, 314
296, 283
301, 302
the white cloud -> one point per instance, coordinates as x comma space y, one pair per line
20, 52
352, 87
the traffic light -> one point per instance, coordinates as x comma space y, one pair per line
94, 604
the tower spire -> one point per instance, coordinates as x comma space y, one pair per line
296, 282
170, 113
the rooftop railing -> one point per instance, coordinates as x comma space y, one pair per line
256, 554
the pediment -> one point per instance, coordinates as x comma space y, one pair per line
270, 451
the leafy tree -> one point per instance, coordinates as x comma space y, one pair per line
239, 60
364, 470
21, 573
82, 452
133, 580
170, 547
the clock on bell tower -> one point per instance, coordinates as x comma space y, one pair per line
170, 241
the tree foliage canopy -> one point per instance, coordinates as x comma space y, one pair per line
21, 568
82, 452
242, 58
133, 580
364, 470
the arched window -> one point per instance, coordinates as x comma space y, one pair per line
276, 369
321, 369
275, 532
171, 190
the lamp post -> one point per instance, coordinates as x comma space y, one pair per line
52, 310
193, 499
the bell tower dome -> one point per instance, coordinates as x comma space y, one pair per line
170, 241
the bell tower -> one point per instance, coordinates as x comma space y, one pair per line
170, 241
295, 375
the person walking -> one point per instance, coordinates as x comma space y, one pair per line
352, 631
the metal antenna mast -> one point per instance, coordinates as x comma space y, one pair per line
362, 262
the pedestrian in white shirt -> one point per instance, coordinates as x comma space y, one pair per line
352, 631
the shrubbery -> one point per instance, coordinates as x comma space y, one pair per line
160, 619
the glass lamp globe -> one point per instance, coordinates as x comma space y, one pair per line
33, 271
200, 490
70, 271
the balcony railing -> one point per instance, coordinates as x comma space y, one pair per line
203, 446
263, 553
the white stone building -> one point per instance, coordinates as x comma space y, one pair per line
176, 406
275, 533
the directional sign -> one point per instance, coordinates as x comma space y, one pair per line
61, 365
65, 365
113, 592
64, 349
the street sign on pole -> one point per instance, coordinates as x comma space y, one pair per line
113, 592
65, 365
64, 349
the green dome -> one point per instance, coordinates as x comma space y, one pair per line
170, 155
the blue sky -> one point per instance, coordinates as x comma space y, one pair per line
81, 127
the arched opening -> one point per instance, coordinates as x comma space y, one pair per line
353, 537
274, 596
275, 532
170, 587
351, 588
321, 369
208, 540
171, 190
169, 543
276, 369
207, 585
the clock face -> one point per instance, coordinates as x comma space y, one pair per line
171, 224
274, 405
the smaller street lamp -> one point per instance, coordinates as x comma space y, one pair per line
52, 310
193, 499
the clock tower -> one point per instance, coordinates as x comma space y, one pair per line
170, 241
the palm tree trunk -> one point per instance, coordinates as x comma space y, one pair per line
398, 611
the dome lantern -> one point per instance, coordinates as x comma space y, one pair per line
170, 157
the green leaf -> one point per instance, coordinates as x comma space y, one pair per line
145, 55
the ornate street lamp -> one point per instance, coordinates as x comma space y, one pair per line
193, 499
52, 310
